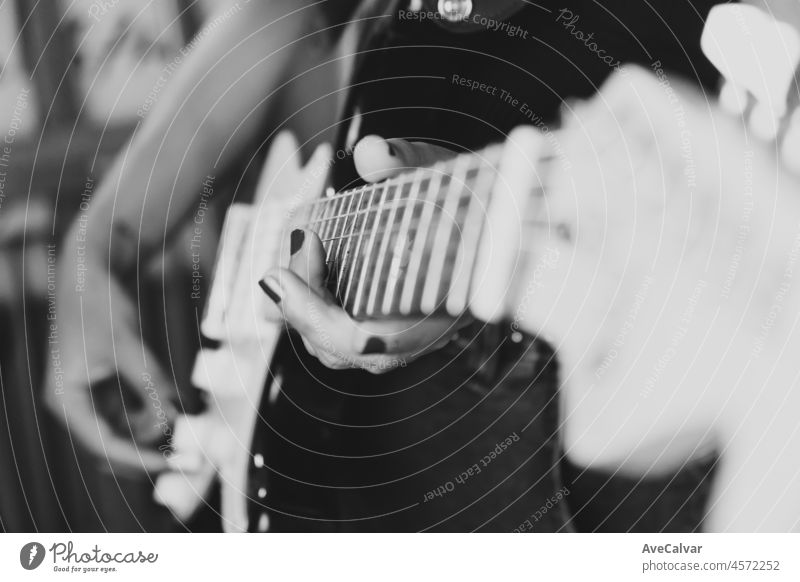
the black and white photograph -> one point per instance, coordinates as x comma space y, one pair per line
399, 267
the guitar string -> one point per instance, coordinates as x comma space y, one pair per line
395, 197
488, 157
418, 203
407, 184
381, 278
330, 202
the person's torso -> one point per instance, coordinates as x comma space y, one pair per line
379, 445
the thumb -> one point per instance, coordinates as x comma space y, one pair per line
311, 313
80, 416
140, 370
308, 259
377, 159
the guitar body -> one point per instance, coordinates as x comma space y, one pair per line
217, 443
247, 327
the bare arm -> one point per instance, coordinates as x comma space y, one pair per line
209, 111
214, 104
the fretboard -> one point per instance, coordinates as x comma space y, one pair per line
407, 246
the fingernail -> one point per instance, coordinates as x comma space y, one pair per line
271, 288
374, 345
296, 240
390, 147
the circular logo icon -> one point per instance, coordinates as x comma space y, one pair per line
31, 555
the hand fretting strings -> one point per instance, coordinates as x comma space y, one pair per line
407, 245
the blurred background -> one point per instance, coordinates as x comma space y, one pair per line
63, 118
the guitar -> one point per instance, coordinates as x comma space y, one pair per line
471, 233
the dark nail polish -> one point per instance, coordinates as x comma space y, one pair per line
296, 240
391, 148
270, 293
374, 345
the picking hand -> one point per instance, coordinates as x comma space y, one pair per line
104, 365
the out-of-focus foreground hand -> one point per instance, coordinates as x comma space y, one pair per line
103, 382
662, 274
328, 332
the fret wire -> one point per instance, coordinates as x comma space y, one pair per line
323, 230
382, 253
339, 216
365, 263
357, 253
324, 211
348, 253
335, 229
347, 215
348, 236
398, 180
329, 226
365, 210
479, 159
407, 297
368, 209
524, 252
314, 214
441, 237
331, 220
402, 236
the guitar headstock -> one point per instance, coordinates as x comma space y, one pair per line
757, 52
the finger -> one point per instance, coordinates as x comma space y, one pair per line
501, 238
377, 159
86, 426
309, 347
406, 339
790, 148
308, 259
321, 322
141, 372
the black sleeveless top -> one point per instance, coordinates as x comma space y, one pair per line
466, 438
421, 80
